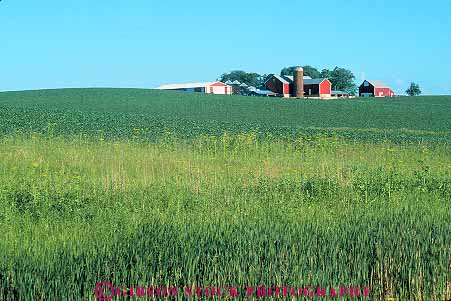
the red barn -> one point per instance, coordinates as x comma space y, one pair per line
279, 84
375, 88
284, 85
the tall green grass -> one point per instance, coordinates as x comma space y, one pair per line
223, 210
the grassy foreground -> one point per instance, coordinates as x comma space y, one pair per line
221, 211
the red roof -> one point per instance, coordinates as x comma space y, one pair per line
218, 84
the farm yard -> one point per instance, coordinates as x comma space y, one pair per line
160, 188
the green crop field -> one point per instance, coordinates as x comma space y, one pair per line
145, 188
124, 112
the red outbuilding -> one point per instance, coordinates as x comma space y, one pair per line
375, 88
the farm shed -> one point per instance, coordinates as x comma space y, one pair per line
208, 88
285, 86
375, 88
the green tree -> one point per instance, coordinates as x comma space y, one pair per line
326, 73
249, 78
261, 81
342, 79
311, 71
308, 71
288, 70
413, 90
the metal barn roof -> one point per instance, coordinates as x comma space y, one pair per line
314, 81
185, 86
282, 79
287, 79
307, 80
378, 84
291, 77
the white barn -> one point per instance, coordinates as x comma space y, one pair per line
208, 88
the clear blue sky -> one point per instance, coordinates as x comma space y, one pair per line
145, 43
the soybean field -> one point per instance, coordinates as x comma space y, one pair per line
124, 113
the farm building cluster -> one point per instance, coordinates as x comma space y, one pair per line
296, 86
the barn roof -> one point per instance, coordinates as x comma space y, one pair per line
286, 79
186, 86
307, 80
378, 83
314, 81
290, 78
283, 79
